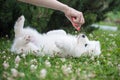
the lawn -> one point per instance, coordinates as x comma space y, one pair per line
104, 67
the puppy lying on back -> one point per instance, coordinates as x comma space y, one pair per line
56, 42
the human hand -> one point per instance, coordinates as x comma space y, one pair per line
75, 17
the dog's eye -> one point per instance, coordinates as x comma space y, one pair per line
86, 45
83, 36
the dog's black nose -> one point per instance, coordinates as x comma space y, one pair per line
86, 45
83, 36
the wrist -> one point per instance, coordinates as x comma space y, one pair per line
65, 8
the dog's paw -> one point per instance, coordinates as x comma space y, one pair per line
20, 51
19, 23
21, 19
35, 52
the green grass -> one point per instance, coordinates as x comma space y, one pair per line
104, 67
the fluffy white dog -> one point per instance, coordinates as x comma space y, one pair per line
56, 42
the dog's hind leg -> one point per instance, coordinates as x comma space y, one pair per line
18, 27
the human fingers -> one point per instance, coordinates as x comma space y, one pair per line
75, 25
79, 19
82, 21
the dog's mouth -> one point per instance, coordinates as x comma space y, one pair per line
93, 47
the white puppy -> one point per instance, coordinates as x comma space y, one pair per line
56, 42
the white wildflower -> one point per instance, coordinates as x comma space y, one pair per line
78, 71
119, 67
25, 63
86, 62
63, 59
98, 62
4, 57
112, 35
66, 69
114, 44
47, 63
102, 56
76, 32
48, 57
33, 61
6, 36
107, 39
7, 59
91, 75
33, 67
5, 74
43, 73
108, 54
16, 65
23, 56
5, 65
73, 78
17, 60
3, 52
91, 35
14, 72
21, 74
92, 58
10, 78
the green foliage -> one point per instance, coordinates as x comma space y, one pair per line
94, 11
45, 19
104, 67
10, 10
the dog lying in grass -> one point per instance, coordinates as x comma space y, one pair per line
55, 42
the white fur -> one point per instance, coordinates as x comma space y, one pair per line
28, 40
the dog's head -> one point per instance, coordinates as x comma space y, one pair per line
88, 47
93, 48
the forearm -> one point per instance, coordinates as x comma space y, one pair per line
76, 17
53, 4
